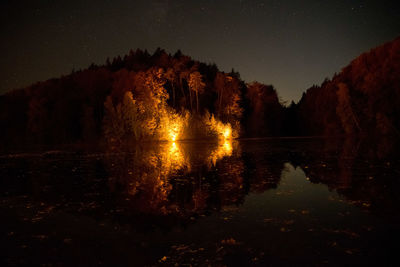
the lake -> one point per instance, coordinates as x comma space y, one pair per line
259, 202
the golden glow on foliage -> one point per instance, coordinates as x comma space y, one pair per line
157, 121
173, 130
223, 130
173, 137
227, 133
172, 125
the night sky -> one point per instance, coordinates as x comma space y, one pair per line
290, 44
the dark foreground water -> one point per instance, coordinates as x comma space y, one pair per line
311, 202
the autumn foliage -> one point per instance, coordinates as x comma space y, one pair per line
140, 97
362, 99
144, 97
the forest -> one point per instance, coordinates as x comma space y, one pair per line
159, 96
363, 99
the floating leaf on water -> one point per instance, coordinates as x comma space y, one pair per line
180, 247
219, 249
163, 259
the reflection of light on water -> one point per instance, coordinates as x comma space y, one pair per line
169, 158
224, 149
152, 175
174, 148
176, 156
149, 179
227, 147
172, 158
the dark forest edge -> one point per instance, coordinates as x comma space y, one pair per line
143, 97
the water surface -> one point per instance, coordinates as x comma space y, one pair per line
252, 202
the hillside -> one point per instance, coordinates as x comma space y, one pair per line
143, 97
139, 97
362, 99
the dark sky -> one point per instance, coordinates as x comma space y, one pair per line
290, 44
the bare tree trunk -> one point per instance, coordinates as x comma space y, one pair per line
197, 101
183, 91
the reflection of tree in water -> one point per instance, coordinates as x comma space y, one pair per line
174, 177
263, 166
364, 171
142, 176
223, 149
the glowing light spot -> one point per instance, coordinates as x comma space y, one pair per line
224, 149
227, 148
173, 148
173, 130
227, 132
173, 138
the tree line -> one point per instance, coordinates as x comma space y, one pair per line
145, 96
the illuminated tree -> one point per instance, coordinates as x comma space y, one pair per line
171, 76
131, 116
220, 85
184, 75
196, 84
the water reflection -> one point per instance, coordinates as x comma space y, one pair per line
187, 178
306, 195
174, 177
223, 149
